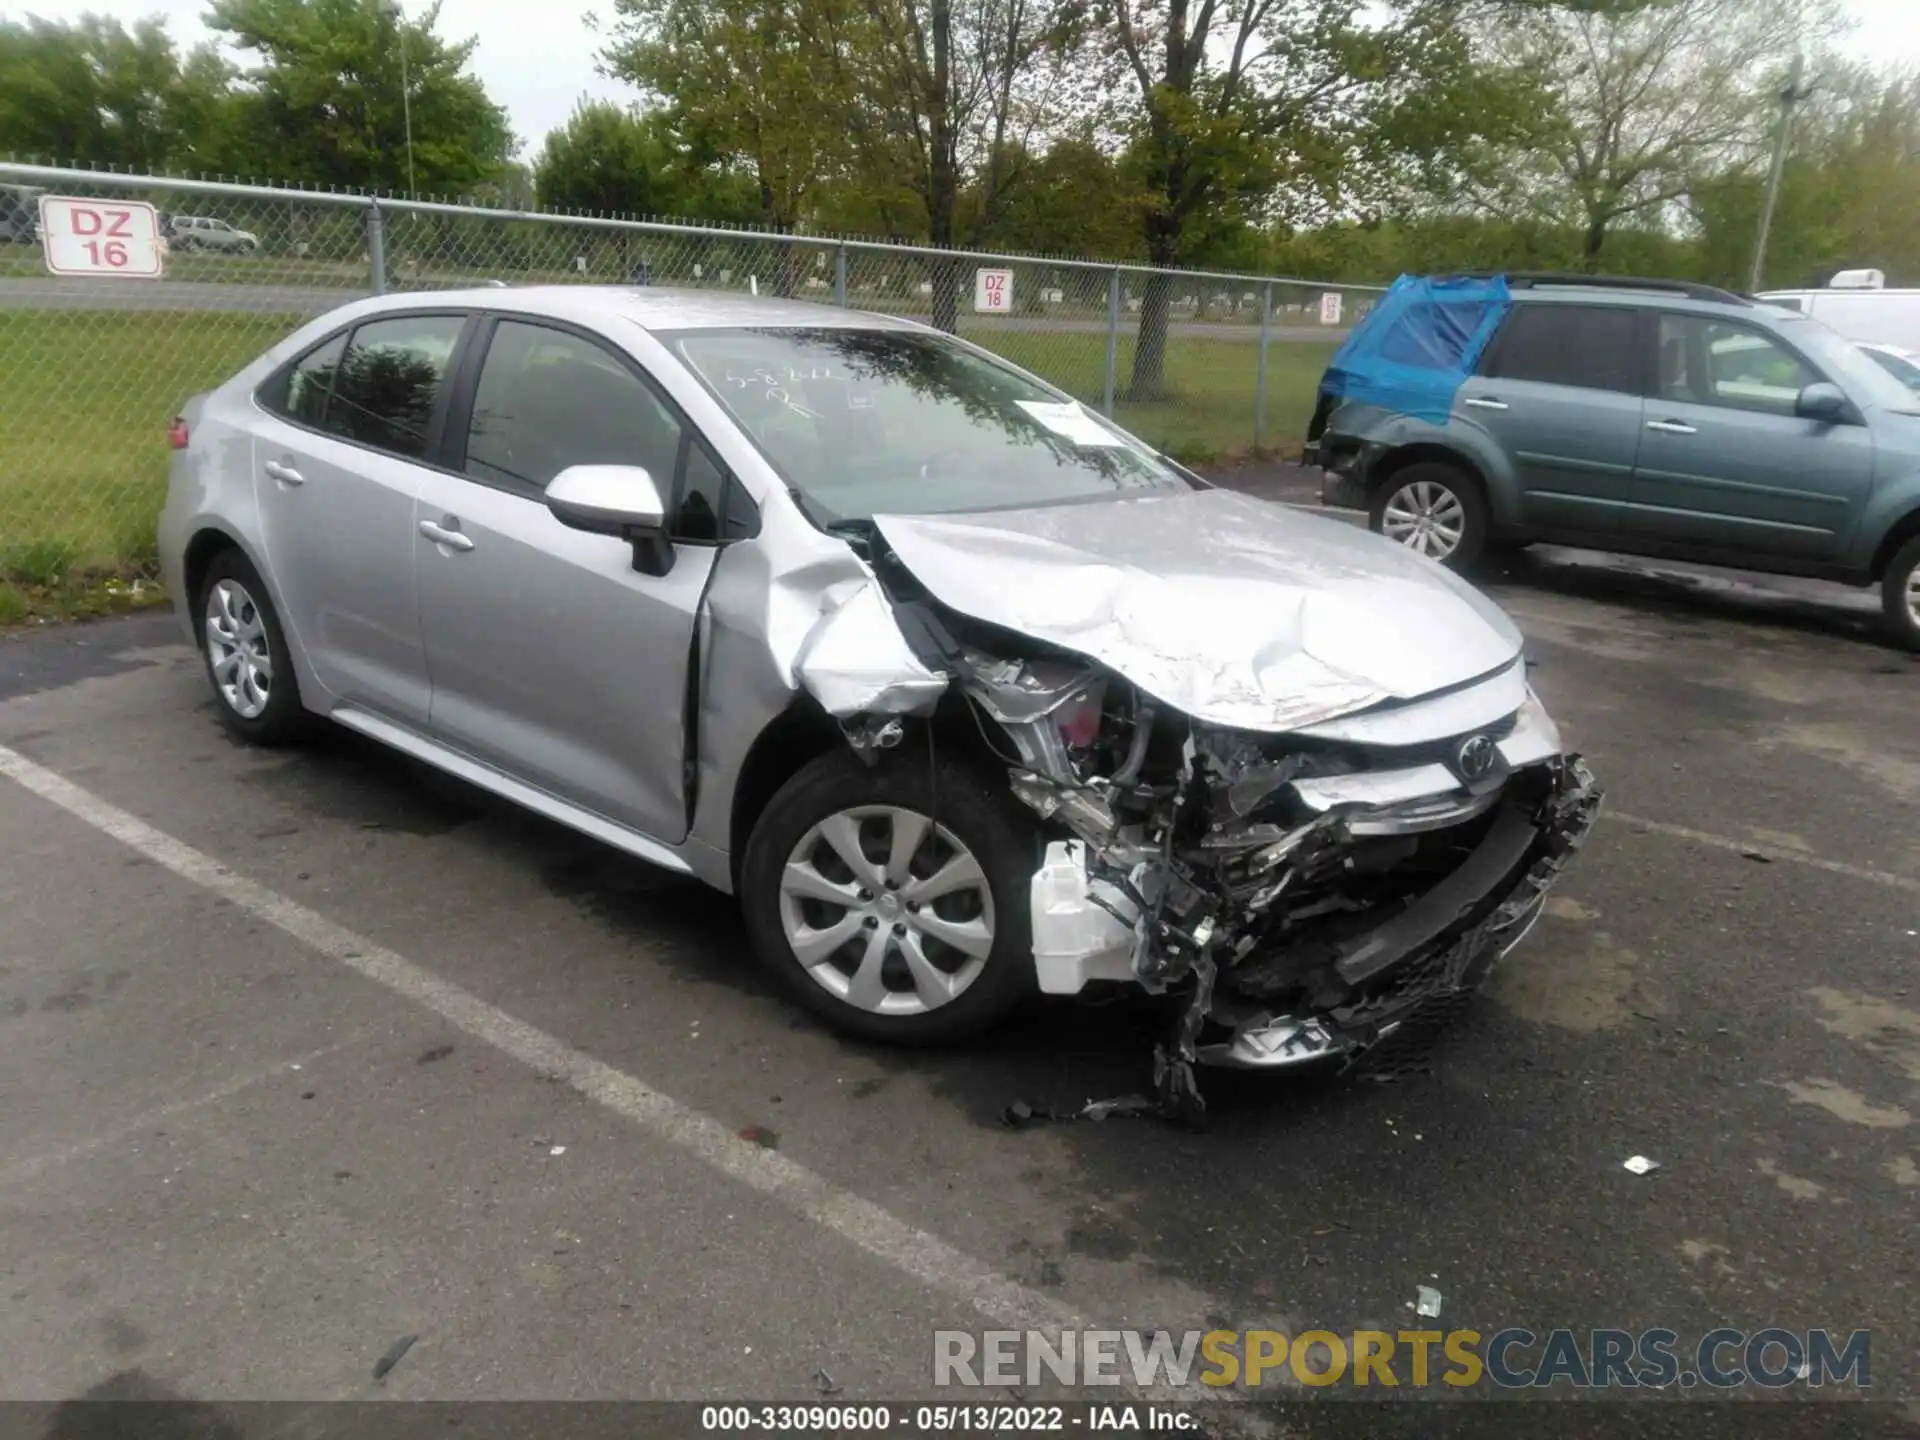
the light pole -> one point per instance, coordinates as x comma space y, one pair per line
1789, 97
406, 91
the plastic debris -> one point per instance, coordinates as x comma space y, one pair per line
396, 1352
1429, 1303
825, 1383
760, 1135
1757, 856
1641, 1165
558, 1150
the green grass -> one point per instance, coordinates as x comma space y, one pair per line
1206, 413
85, 397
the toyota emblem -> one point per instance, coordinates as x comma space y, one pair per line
1477, 756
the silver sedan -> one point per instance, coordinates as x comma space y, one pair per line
963, 691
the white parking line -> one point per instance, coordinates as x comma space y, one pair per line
1771, 852
915, 1252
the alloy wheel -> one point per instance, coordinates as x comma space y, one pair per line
886, 910
1425, 516
237, 649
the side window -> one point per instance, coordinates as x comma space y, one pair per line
1434, 336
1712, 362
1589, 346
389, 381
548, 399
300, 393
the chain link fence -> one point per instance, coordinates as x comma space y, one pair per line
1207, 367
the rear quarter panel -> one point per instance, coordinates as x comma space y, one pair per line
1384, 434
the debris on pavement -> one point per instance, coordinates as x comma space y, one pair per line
825, 1383
558, 1150
1429, 1302
396, 1352
1757, 855
1640, 1164
760, 1135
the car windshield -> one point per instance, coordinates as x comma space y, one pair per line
1901, 367
1846, 362
866, 422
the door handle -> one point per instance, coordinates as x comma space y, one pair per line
285, 474
1480, 402
442, 535
1671, 427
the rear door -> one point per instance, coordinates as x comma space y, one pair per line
551, 658
339, 452
1726, 462
1559, 391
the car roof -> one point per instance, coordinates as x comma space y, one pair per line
1644, 299
648, 306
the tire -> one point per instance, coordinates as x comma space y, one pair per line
929, 991
1434, 509
245, 654
1900, 596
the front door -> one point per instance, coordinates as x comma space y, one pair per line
551, 658
1559, 392
337, 463
1727, 463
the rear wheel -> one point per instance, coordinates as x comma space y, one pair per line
1435, 509
892, 900
1900, 596
246, 654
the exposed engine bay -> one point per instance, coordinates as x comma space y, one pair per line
1298, 894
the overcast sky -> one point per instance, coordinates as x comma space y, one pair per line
538, 59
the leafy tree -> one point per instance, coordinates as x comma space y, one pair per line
94, 93
1638, 102
738, 79
615, 161
1075, 200
1235, 108
326, 103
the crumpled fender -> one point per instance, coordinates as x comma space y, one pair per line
855, 661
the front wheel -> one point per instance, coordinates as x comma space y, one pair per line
892, 900
1435, 509
1900, 596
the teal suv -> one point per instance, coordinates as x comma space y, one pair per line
1652, 417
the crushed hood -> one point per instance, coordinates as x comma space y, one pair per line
1237, 612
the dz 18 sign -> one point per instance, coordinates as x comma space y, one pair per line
100, 237
993, 290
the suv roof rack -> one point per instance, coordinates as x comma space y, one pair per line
1534, 279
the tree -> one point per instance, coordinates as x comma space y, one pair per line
1638, 102
326, 104
1236, 109
738, 79
94, 93
1075, 200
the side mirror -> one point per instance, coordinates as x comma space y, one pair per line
617, 500
1824, 402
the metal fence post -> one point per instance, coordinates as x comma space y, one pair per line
1113, 339
376, 249
840, 276
1260, 370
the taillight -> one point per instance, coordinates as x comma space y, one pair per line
177, 433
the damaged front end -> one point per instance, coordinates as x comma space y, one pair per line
1301, 897
1343, 869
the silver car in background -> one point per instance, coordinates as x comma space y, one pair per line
961, 690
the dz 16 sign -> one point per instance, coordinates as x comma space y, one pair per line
993, 290
100, 237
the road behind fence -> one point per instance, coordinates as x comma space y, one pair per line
91, 369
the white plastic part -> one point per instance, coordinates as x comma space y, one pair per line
1074, 939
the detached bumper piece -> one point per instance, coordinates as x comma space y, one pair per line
1410, 973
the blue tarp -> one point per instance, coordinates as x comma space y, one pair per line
1421, 342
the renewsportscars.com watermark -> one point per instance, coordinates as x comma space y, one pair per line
1513, 1359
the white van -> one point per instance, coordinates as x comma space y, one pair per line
1858, 304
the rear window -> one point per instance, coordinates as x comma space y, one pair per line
1591, 347
1435, 335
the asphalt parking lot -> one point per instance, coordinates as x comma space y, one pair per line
308, 1052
